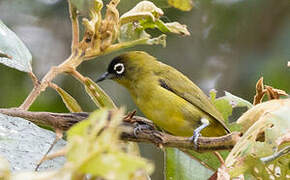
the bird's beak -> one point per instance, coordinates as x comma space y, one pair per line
106, 75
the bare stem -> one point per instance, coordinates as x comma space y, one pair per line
39, 88
58, 136
59, 153
67, 66
282, 152
78, 76
53, 86
75, 26
72, 62
220, 158
114, 47
34, 79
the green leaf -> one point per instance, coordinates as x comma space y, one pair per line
222, 105
13, 51
143, 16
23, 144
143, 10
225, 104
71, 104
96, 118
173, 27
181, 166
131, 35
247, 155
158, 40
177, 28
116, 165
184, 5
130, 32
209, 159
236, 101
94, 148
100, 98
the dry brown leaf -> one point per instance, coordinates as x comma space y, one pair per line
274, 93
110, 25
260, 92
271, 92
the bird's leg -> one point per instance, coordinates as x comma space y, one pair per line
196, 132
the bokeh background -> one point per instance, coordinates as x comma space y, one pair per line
232, 44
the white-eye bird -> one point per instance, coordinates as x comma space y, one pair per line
166, 96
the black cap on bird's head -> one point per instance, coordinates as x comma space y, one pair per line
126, 68
115, 69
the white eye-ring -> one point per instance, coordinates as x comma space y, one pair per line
119, 68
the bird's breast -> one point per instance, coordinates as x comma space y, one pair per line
165, 109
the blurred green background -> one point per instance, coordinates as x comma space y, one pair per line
232, 44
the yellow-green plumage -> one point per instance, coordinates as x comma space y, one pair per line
166, 96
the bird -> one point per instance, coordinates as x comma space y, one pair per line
166, 96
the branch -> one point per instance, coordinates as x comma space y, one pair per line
148, 134
282, 152
39, 87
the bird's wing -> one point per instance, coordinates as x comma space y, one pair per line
174, 81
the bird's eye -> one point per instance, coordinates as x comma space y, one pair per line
119, 68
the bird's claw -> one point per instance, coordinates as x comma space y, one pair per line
194, 138
196, 132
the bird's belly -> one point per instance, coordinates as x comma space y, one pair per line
167, 112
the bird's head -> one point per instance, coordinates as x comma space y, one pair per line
129, 67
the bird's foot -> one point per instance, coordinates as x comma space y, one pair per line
194, 138
196, 132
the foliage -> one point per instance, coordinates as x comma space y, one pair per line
179, 166
250, 154
13, 52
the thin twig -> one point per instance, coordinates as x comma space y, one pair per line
58, 136
64, 121
282, 152
5, 55
72, 62
53, 86
59, 153
220, 158
34, 79
77, 75
75, 26
93, 53
54, 71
